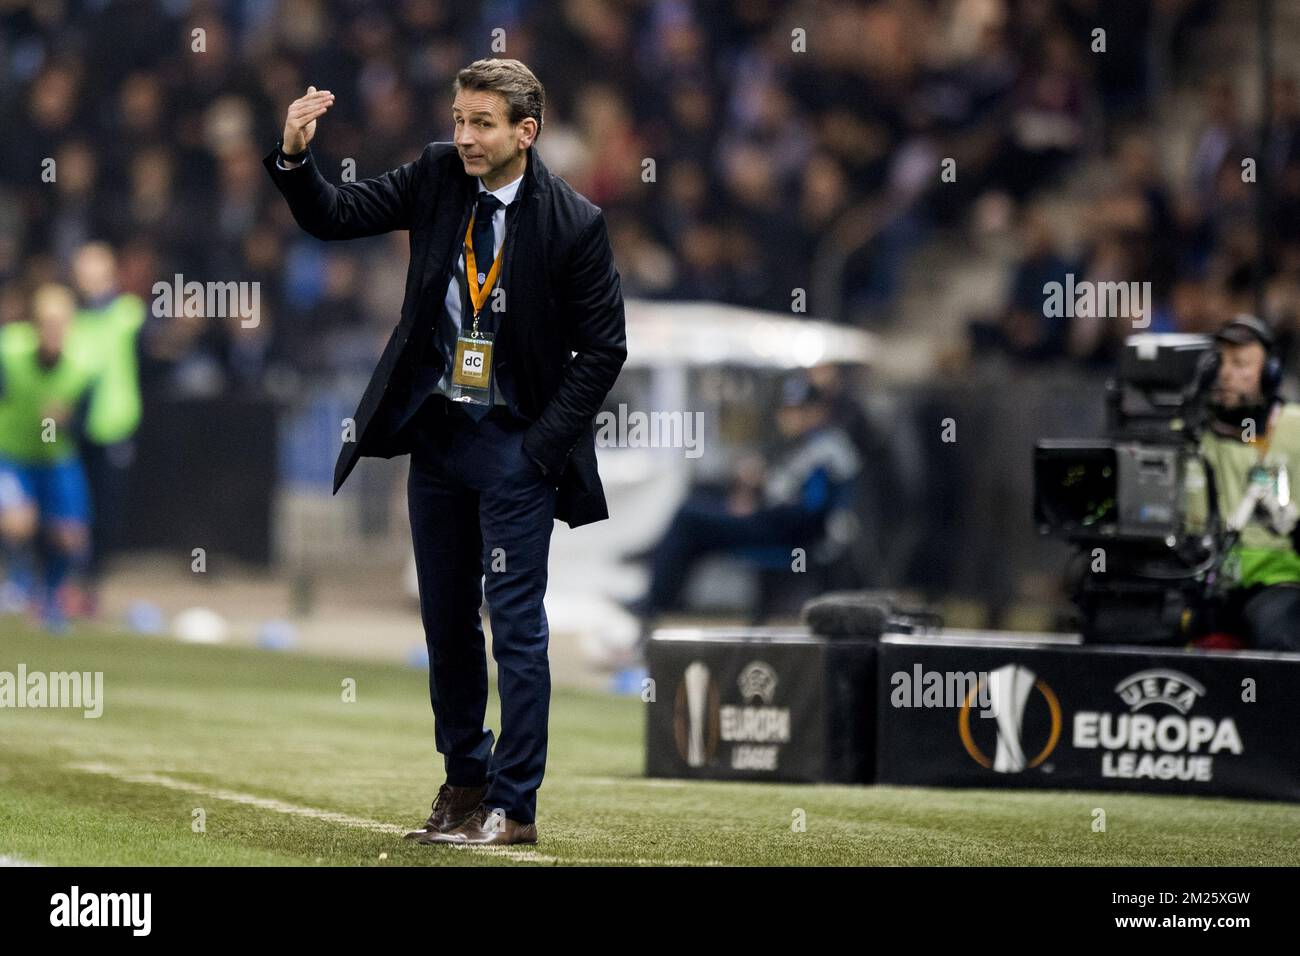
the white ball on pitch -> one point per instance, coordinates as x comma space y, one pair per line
200, 625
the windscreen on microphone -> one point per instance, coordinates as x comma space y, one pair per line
865, 614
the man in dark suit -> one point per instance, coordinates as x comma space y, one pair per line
491, 381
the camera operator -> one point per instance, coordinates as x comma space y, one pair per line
1253, 445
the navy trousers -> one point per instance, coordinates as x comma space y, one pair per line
481, 518
1268, 617
703, 525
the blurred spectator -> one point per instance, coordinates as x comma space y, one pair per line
1220, 135
109, 323
783, 504
1024, 330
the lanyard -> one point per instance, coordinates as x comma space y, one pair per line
478, 294
1264, 440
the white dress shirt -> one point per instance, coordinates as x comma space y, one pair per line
452, 301
507, 195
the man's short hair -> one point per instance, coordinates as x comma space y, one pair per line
1244, 329
799, 391
54, 292
523, 91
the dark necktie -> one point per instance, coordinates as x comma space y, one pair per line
483, 238
484, 241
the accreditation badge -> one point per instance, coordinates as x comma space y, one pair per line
471, 373
1272, 479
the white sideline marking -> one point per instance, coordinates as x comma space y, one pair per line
232, 796
514, 854
640, 782
14, 861
330, 816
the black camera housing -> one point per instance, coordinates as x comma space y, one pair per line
1140, 574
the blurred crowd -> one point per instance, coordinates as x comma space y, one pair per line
741, 149
1196, 240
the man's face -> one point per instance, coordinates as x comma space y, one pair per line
94, 269
486, 139
789, 421
1239, 372
53, 315
795, 420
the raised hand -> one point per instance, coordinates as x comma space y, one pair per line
300, 122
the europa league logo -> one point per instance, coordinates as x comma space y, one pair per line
696, 726
1009, 688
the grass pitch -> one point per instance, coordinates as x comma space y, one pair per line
285, 773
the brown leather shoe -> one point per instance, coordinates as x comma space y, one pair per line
485, 828
451, 808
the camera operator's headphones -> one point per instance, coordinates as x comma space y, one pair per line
1247, 328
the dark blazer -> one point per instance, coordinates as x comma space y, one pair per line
562, 292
